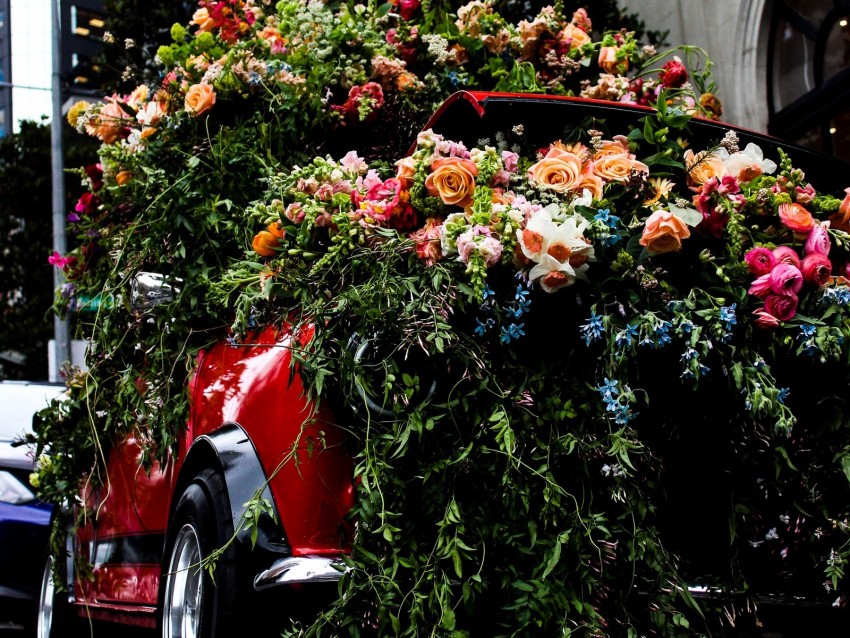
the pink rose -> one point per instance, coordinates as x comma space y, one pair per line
764, 319
786, 279
760, 287
786, 255
783, 307
817, 269
818, 240
760, 261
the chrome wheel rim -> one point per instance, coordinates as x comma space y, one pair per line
45, 600
185, 588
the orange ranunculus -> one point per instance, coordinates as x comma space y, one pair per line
663, 233
702, 167
559, 170
406, 81
109, 122
452, 179
200, 98
617, 168
841, 219
796, 218
264, 244
123, 177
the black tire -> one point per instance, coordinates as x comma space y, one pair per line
56, 617
191, 602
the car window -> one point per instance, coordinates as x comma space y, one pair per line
18, 403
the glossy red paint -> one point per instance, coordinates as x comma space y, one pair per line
299, 446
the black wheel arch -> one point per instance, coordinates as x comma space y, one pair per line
230, 451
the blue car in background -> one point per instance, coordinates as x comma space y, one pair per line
24, 520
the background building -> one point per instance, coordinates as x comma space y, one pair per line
783, 66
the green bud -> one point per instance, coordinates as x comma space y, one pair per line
178, 32
165, 55
204, 41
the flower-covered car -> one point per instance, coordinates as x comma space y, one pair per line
564, 246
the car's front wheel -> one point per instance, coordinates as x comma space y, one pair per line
55, 615
193, 604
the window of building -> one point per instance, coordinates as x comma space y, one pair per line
809, 74
87, 23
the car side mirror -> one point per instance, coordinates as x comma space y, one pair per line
149, 289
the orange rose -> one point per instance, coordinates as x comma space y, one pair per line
123, 177
109, 122
617, 168
796, 218
405, 169
560, 171
701, 168
452, 179
590, 182
663, 233
200, 98
841, 219
618, 146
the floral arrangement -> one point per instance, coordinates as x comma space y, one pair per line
627, 325
568, 290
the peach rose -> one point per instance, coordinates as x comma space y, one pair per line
200, 98
204, 20
618, 146
591, 182
617, 168
109, 122
663, 233
577, 36
701, 167
796, 218
609, 62
560, 171
452, 179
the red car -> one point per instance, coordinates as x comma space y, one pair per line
152, 530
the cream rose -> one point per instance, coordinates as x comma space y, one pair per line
200, 98
560, 171
663, 233
452, 179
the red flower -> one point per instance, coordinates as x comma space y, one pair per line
817, 269
673, 74
783, 307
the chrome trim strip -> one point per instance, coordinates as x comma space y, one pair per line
300, 569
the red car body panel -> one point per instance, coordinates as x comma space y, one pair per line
300, 448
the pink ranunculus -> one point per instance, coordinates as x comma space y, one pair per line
760, 287
818, 240
764, 319
817, 269
786, 279
783, 307
760, 260
786, 255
